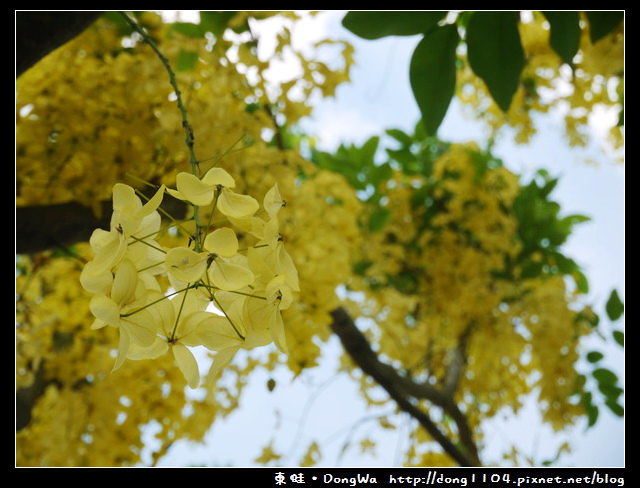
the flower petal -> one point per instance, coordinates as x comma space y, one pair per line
218, 176
125, 199
105, 309
260, 319
141, 327
230, 276
215, 333
221, 359
108, 248
273, 202
124, 282
222, 242
277, 332
153, 203
184, 264
95, 279
236, 205
187, 364
191, 188
157, 348
288, 268
123, 348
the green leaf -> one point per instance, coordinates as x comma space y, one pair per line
565, 265
581, 281
589, 317
565, 34
400, 136
495, 53
602, 23
611, 392
614, 306
186, 60
368, 151
432, 74
605, 376
379, 218
615, 407
188, 29
380, 173
592, 414
618, 336
571, 220
594, 356
374, 25
361, 267
216, 22
591, 409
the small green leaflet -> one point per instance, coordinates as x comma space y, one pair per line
614, 306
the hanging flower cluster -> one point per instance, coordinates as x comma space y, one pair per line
221, 297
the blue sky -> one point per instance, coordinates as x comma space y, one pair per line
327, 409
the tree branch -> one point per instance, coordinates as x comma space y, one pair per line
43, 227
404, 391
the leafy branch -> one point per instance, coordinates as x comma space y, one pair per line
493, 45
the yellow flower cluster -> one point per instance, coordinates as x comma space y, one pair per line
248, 289
596, 79
138, 131
436, 301
122, 86
70, 410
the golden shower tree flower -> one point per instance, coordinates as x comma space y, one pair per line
132, 227
123, 307
265, 314
216, 184
181, 323
228, 270
185, 265
130, 215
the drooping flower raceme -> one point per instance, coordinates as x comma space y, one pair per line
222, 297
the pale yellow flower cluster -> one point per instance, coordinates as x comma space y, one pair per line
137, 126
79, 413
436, 301
595, 80
248, 289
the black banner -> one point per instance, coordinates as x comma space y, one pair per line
437, 477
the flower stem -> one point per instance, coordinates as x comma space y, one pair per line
164, 297
217, 304
175, 326
189, 138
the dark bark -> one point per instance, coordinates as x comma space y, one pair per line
405, 391
43, 227
40, 32
39, 228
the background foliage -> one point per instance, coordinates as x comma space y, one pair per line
452, 264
